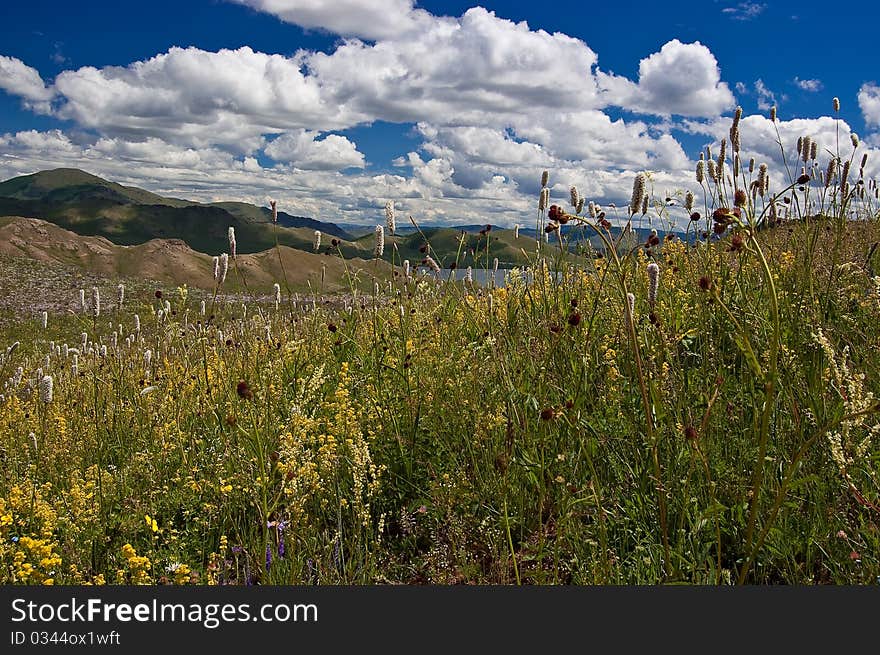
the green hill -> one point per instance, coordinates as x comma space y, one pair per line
91, 206
256, 214
447, 245
64, 185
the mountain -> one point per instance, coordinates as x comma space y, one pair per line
473, 245
256, 214
579, 234
91, 206
172, 261
64, 185
447, 245
127, 216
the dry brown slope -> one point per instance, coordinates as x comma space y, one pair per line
172, 261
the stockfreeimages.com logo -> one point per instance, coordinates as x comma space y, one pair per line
209, 615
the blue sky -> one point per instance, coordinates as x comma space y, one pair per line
452, 109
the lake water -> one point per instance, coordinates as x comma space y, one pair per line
480, 276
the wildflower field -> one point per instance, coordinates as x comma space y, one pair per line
697, 408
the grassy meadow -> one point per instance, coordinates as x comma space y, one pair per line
694, 409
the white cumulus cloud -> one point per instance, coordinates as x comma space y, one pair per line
53, 142
368, 19
869, 103
682, 78
198, 98
473, 70
17, 78
304, 150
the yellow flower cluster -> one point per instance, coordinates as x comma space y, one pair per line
319, 455
29, 552
786, 259
609, 359
137, 570
35, 561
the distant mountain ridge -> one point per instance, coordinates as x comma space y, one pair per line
88, 204
264, 214
65, 184
91, 206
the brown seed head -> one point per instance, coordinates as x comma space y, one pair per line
244, 391
722, 216
736, 242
